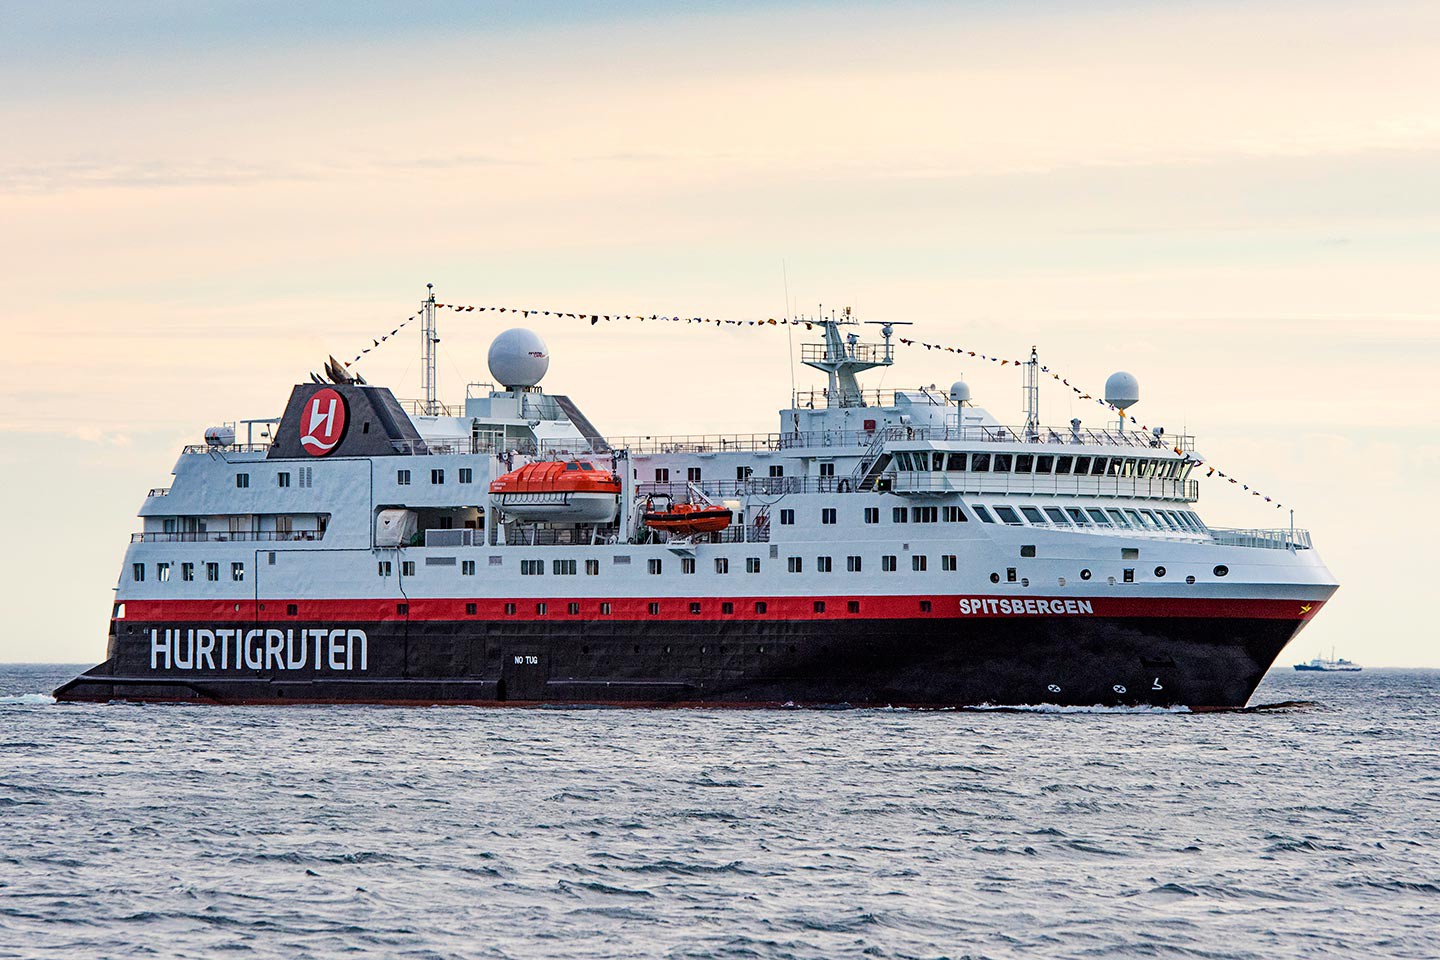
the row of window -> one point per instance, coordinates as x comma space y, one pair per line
187, 572
437, 476
604, 608
1127, 518
828, 517
656, 565
1043, 464
305, 477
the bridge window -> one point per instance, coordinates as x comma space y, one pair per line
1062, 464
955, 462
1118, 518
1098, 516
1136, 520
1000, 463
1008, 515
1097, 466
1056, 515
1082, 466
1045, 464
1077, 516
1024, 463
980, 463
982, 513
1033, 515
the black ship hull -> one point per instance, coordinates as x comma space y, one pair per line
1198, 662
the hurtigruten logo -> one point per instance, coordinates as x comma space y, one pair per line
322, 422
236, 648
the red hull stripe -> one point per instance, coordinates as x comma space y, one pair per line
948, 606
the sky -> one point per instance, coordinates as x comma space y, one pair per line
1238, 202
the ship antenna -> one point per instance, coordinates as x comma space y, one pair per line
429, 340
1032, 396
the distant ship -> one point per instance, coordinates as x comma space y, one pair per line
1320, 664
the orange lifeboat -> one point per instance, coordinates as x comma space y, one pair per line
685, 519
558, 491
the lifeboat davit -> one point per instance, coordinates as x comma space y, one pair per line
685, 519
558, 491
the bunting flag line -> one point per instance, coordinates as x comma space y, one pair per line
595, 318
376, 341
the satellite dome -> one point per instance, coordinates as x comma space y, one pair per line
1122, 390
960, 391
518, 358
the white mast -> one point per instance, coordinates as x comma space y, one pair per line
429, 339
1032, 396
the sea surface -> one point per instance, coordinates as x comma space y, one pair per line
180, 831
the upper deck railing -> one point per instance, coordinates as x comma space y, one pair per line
1282, 539
772, 442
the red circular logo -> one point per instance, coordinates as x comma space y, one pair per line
322, 422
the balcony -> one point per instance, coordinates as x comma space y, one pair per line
1282, 539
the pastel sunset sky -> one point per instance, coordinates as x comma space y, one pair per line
1238, 202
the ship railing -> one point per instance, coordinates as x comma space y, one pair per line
416, 408
942, 482
823, 399
192, 448
222, 536
521, 535
1277, 539
752, 487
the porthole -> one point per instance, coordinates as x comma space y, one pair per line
1085, 574
994, 578
1159, 572
1190, 579
1222, 571
760, 649
667, 648
1024, 581
702, 649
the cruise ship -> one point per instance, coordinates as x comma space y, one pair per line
881, 548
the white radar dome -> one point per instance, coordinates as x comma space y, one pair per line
960, 391
1122, 390
519, 358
